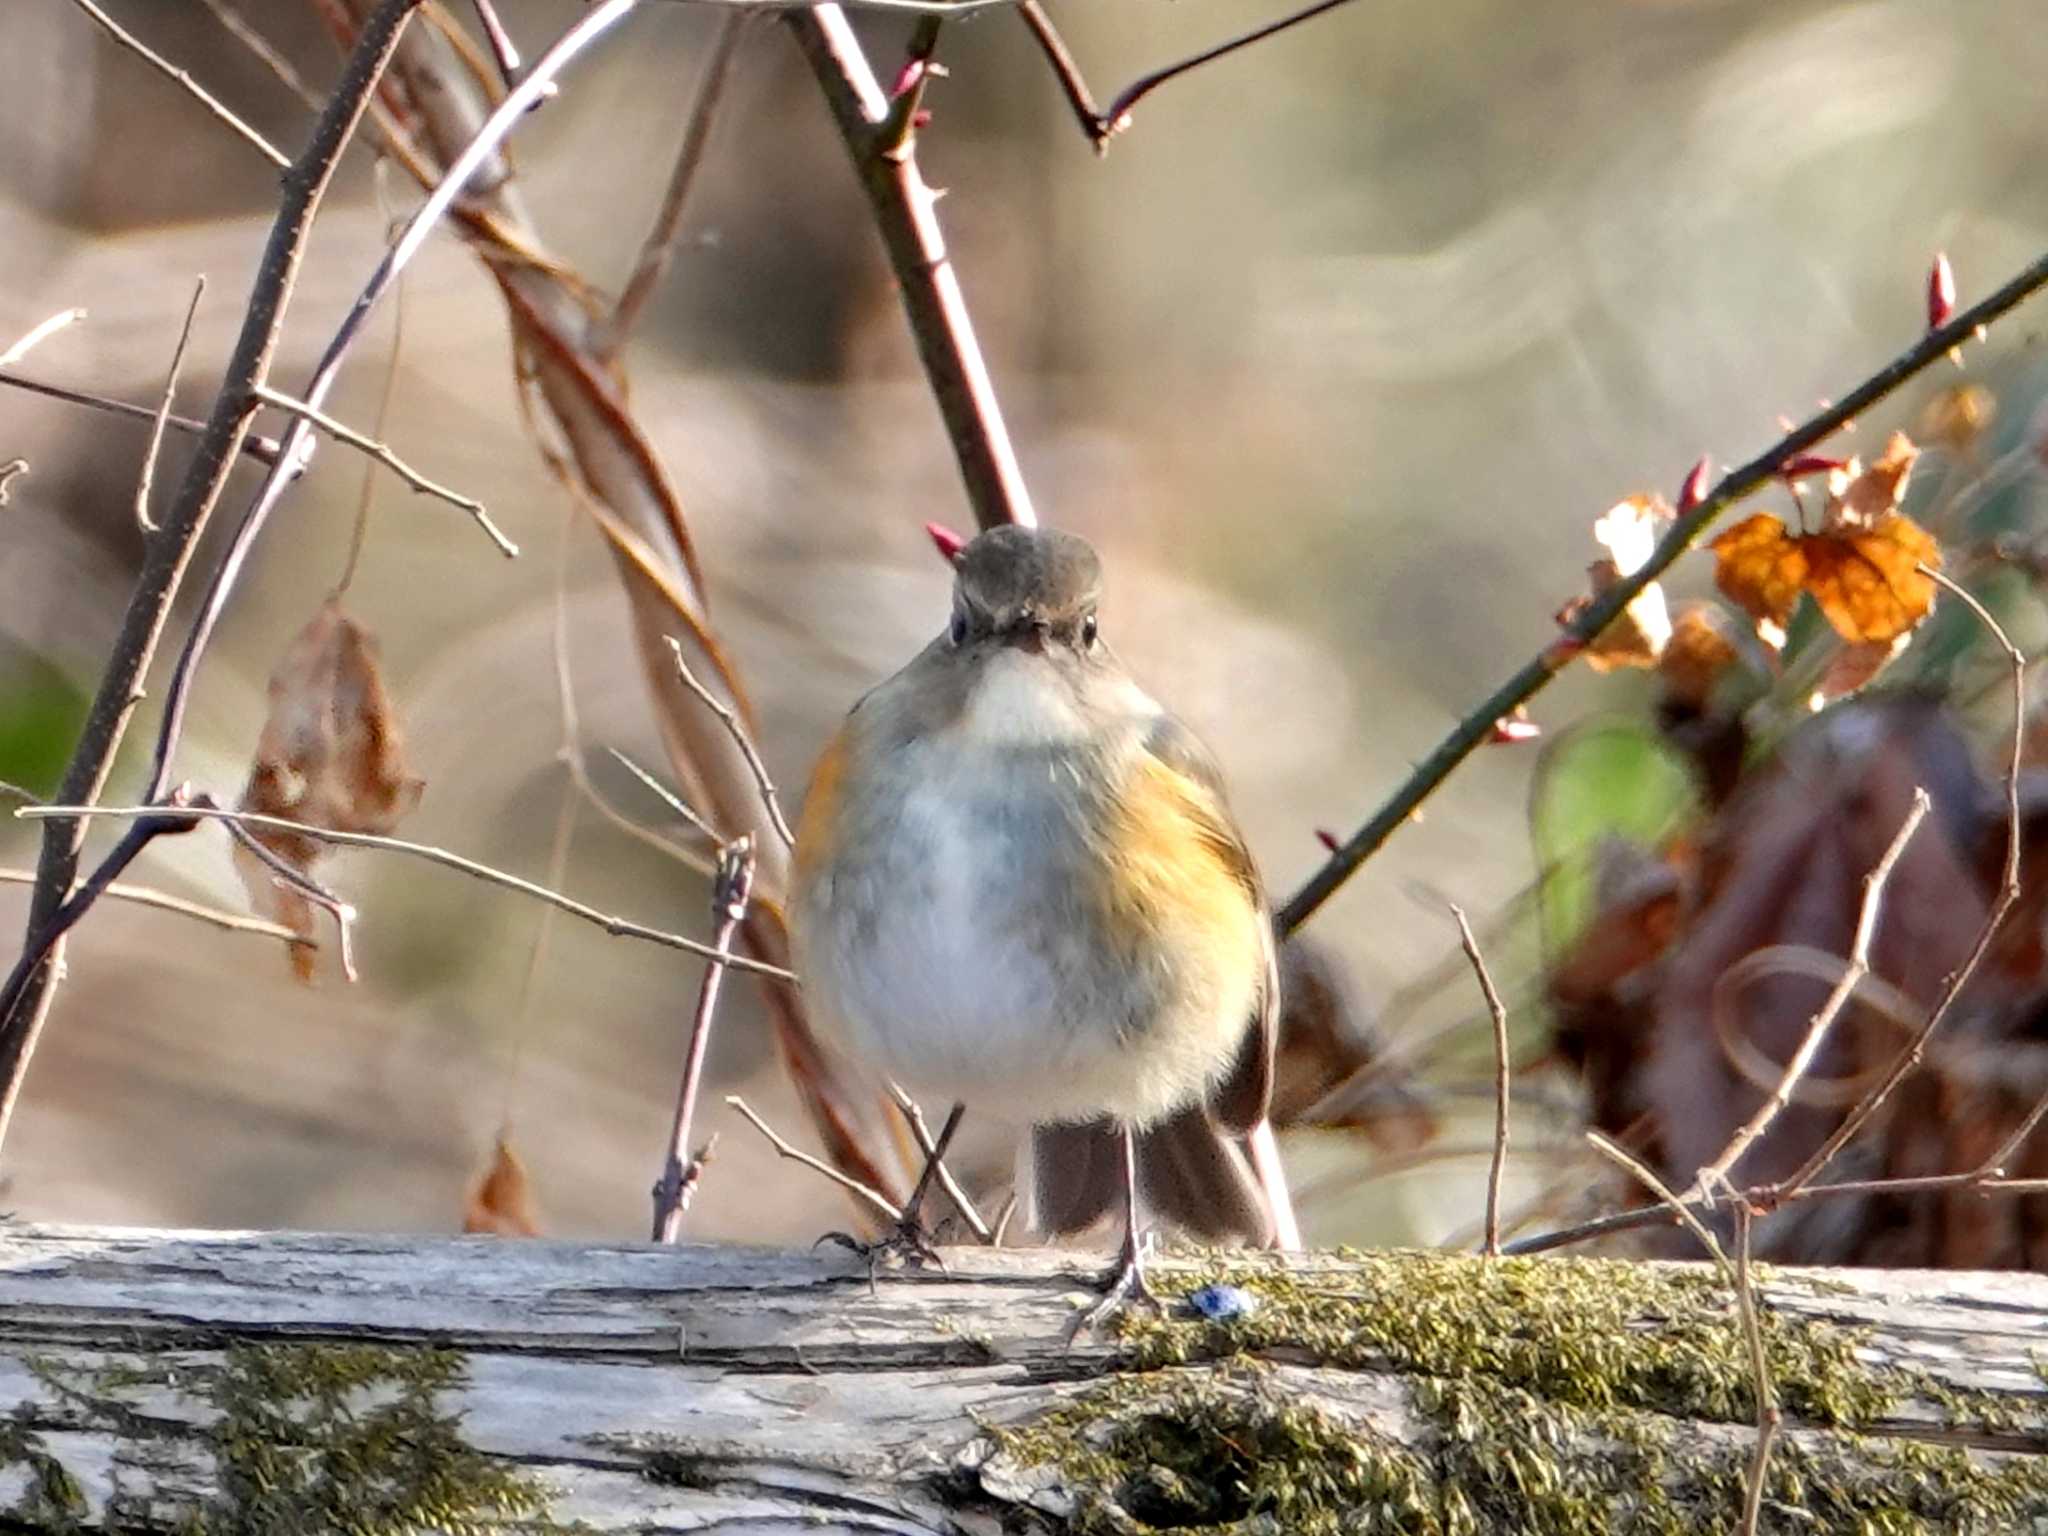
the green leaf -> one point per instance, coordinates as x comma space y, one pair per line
1606, 778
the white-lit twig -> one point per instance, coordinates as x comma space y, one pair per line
342, 432
1498, 1171
1635, 1166
1715, 1175
164, 901
163, 412
730, 719
42, 332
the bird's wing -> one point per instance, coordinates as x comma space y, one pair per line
1242, 1098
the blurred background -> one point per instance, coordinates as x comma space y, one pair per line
1336, 355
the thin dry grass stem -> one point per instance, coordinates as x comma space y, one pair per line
237, 26
921, 1133
342, 912
503, 53
730, 719
867, 1194
39, 334
366, 492
1768, 1416
10, 472
1476, 728
198, 92
659, 249
731, 888
1908, 1059
1714, 1177
667, 796
1629, 1162
1501, 1072
164, 901
163, 412
1101, 126
362, 442
255, 444
1004, 1216
616, 926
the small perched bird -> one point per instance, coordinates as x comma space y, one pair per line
1018, 886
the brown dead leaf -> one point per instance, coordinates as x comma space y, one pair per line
502, 1202
1857, 666
331, 755
1698, 655
1861, 567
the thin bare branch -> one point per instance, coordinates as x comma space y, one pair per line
149, 896
1909, 1058
255, 444
660, 247
503, 51
867, 1194
1102, 126
1768, 1416
198, 92
1501, 1072
1670, 1202
10, 472
927, 1145
730, 719
239, 28
1714, 1176
731, 888
382, 453
292, 879
667, 796
616, 926
1476, 728
38, 335
163, 412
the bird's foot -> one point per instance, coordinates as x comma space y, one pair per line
1124, 1289
906, 1242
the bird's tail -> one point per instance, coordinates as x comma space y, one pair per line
1189, 1174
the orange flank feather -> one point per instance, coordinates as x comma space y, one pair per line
1179, 866
817, 827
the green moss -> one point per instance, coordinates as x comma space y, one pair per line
1550, 1396
306, 1438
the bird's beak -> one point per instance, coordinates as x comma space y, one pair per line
1032, 636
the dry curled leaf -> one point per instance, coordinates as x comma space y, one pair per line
1629, 532
1857, 666
502, 1201
331, 755
1862, 566
1697, 657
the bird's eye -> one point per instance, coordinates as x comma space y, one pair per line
1088, 632
957, 631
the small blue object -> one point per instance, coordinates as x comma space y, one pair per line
1223, 1303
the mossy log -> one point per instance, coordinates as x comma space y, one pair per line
231, 1382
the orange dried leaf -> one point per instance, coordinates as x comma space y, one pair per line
1868, 583
1859, 498
1761, 568
1629, 531
1856, 666
502, 1202
330, 755
1699, 655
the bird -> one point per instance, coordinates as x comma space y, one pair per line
1018, 887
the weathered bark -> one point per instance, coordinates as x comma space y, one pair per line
238, 1382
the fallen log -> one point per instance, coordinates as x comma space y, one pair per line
273, 1382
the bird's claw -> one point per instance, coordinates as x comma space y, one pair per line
1124, 1288
906, 1242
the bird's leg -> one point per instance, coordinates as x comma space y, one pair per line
1124, 1286
908, 1238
